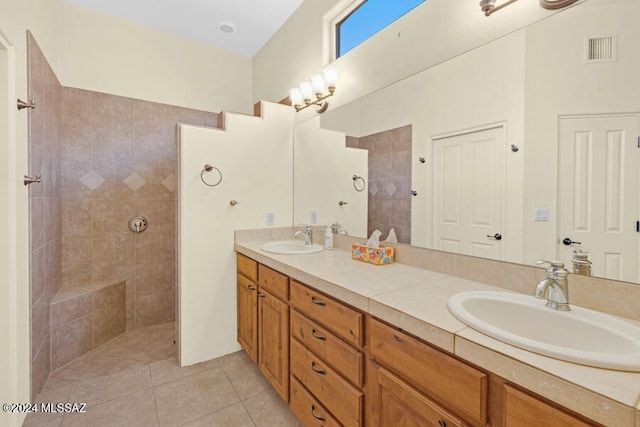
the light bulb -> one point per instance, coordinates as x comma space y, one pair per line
307, 90
295, 96
330, 76
317, 82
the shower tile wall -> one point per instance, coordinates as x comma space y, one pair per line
389, 182
119, 160
44, 207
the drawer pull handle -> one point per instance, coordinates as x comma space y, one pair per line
316, 302
442, 423
317, 336
320, 418
251, 288
317, 371
261, 295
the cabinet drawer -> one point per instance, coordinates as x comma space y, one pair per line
342, 399
523, 410
342, 320
308, 409
341, 356
274, 282
447, 379
247, 266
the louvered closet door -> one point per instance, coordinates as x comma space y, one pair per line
469, 183
598, 192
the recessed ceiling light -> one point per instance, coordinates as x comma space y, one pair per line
227, 27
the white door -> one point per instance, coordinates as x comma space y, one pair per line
468, 180
598, 193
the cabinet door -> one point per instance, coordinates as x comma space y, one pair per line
398, 404
523, 410
273, 341
248, 317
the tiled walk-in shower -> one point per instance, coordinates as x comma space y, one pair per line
103, 159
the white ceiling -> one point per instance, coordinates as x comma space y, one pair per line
255, 21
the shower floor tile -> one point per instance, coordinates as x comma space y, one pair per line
135, 380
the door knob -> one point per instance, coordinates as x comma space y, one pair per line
496, 236
567, 241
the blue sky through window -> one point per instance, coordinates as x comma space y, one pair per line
369, 18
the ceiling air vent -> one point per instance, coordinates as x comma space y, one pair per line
600, 49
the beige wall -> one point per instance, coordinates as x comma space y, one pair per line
254, 155
106, 54
435, 31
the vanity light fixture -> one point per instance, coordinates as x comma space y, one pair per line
489, 6
303, 96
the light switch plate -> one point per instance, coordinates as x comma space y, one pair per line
541, 214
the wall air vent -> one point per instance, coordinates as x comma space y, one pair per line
600, 49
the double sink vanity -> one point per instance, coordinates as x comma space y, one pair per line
353, 344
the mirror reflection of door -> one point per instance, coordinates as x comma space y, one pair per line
598, 187
468, 184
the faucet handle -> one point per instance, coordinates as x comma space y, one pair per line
552, 264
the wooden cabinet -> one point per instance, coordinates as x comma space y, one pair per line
263, 320
448, 382
311, 347
524, 410
326, 355
399, 404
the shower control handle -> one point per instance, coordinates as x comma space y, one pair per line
137, 224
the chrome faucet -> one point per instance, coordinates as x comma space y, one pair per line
554, 287
307, 234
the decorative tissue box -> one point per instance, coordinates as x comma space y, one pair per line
377, 256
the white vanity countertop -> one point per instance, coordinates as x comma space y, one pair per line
415, 300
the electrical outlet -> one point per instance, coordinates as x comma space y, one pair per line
314, 217
271, 218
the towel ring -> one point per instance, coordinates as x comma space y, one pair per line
356, 179
209, 168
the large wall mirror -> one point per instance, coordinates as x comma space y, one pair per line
509, 151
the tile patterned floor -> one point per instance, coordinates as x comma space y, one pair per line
134, 380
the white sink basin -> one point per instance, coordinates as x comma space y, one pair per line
291, 247
581, 336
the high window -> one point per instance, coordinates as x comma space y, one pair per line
367, 18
